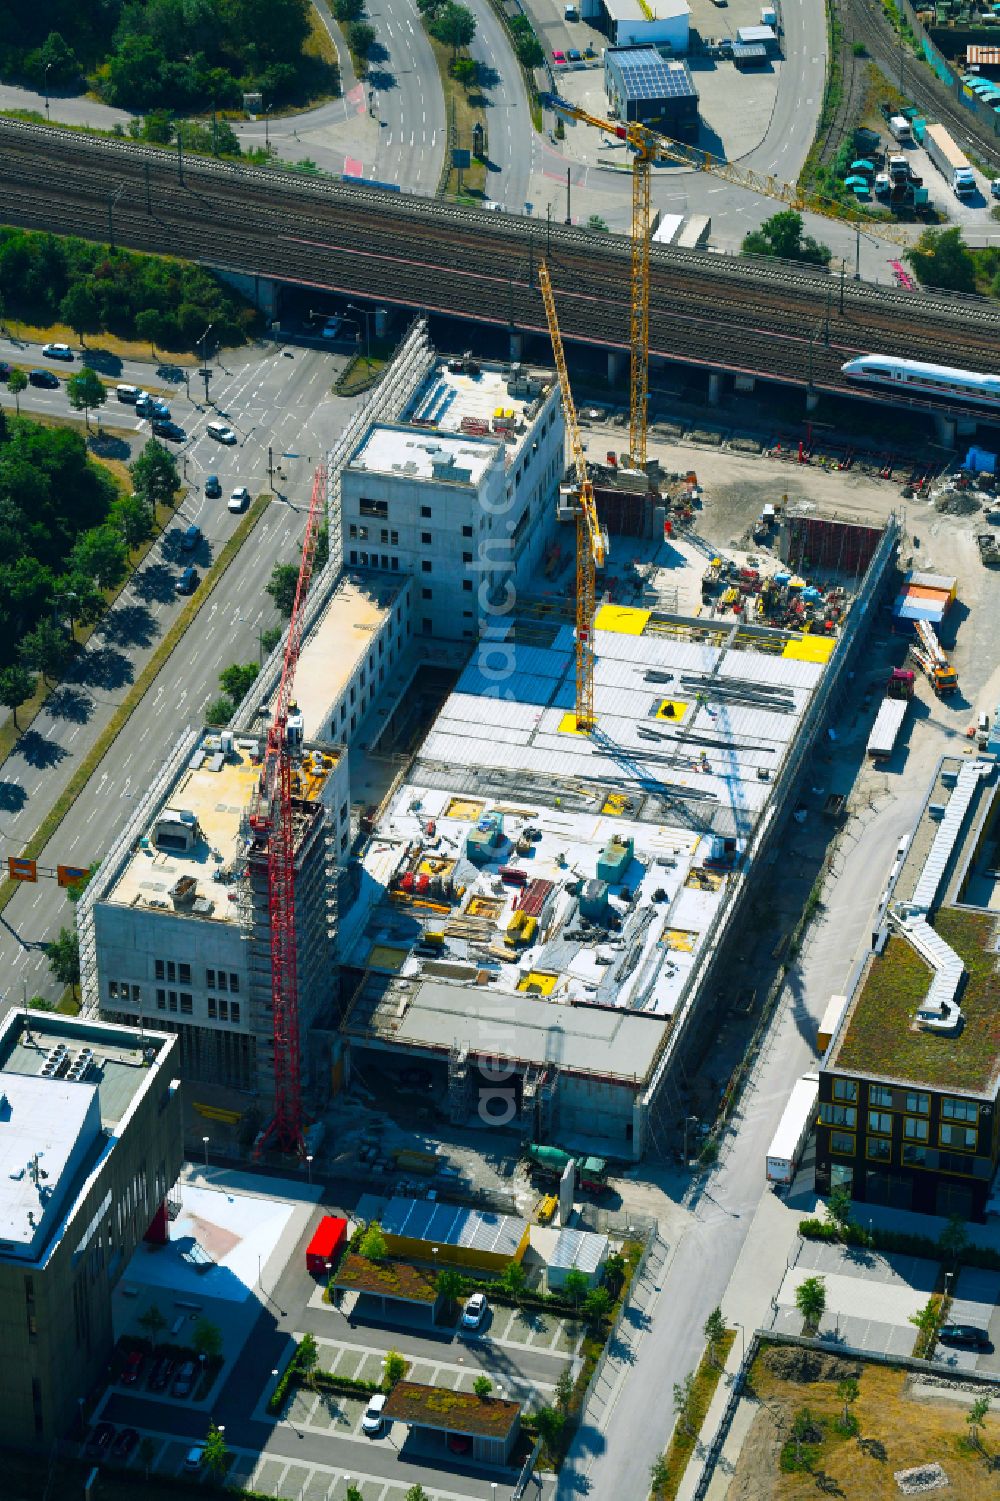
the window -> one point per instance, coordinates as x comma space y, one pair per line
353, 693
161, 1000
354, 557
878, 1148
466, 557
880, 1122
425, 539
352, 532
427, 626
425, 512
374, 508
842, 1142
222, 981
959, 1110
211, 1006
839, 1115
466, 614
136, 993
427, 594
425, 566
234, 1011
171, 1000
184, 974
384, 535
385, 560
187, 1003
344, 810
914, 1156
171, 970
921, 1103
223, 1011
159, 970
362, 534
210, 978
361, 678
394, 538
467, 585
112, 989
394, 562
845, 1089
234, 983
963, 1137
915, 1129
878, 1094
467, 531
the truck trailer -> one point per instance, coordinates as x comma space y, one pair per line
950, 162
785, 1152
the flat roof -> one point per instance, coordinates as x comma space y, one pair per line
388, 1279
648, 13
645, 74
450, 1411
341, 636
413, 454
452, 1225
45, 1127
119, 1067
212, 793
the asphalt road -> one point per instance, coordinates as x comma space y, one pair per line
512, 142
409, 104
268, 399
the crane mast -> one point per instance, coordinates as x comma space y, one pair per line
272, 820
591, 546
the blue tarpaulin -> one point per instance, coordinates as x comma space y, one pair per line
979, 461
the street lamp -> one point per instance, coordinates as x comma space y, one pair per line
309, 1166
365, 315
267, 137
204, 1141
47, 67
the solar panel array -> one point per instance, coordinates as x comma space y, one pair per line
647, 76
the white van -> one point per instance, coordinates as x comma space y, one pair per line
129, 394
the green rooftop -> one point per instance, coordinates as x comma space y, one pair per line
880, 1038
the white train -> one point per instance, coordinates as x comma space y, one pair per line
912, 377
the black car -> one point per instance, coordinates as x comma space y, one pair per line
123, 1445
4, 370
188, 581
162, 1374
212, 487
966, 1335
168, 430
101, 1439
42, 378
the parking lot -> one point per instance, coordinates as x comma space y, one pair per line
870, 1298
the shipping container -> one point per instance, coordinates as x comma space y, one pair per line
885, 730
328, 1238
835, 1008
788, 1144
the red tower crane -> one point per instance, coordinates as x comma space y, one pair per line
271, 821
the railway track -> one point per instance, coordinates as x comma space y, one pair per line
752, 316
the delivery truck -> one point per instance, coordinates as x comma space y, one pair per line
789, 1142
950, 162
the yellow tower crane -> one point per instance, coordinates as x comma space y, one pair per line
649, 147
591, 543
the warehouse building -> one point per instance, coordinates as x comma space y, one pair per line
91, 1143
910, 1084
175, 926
424, 1230
643, 86
647, 23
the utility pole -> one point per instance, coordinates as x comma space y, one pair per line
548, 232
270, 468
149, 202
568, 217
111, 214
180, 159
843, 272
829, 300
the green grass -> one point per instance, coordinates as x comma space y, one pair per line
143, 683
880, 1038
682, 1443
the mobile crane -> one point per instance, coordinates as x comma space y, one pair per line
930, 657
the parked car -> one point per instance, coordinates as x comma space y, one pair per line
162, 1374
191, 538
575, 55
184, 1380
123, 1445
101, 1439
187, 583
212, 487
195, 1457
150, 406
239, 500
57, 351
42, 378
168, 430
130, 396
132, 1369
558, 56
373, 1421
475, 1310
4, 370
220, 432
966, 1335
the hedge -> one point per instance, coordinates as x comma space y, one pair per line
899, 1241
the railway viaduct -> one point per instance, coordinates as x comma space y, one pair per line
756, 318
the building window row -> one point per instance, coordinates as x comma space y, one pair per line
959, 1110
839, 1115
166, 969
845, 1089
171, 1000
378, 508
222, 980
223, 1010
121, 990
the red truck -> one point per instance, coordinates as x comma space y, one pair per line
324, 1248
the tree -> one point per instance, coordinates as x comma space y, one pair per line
614, 1273
597, 1306
100, 555
220, 711
270, 638
372, 1244
352, 1493
454, 25
976, 1417
838, 1207
207, 1339
17, 685
550, 1423
684, 1403
216, 1455
17, 382
513, 1280
360, 39
307, 1358
80, 309
45, 649
150, 324
926, 1319
714, 1330
449, 1284
282, 585
237, 680
941, 259
63, 954
810, 1300
77, 888
781, 237
465, 70
564, 1388
348, 10
847, 1391
416, 1493
154, 474
153, 1322
133, 516
576, 1286
482, 1386
659, 1472
953, 1239
393, 1369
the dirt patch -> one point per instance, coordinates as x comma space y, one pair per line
790, 1363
